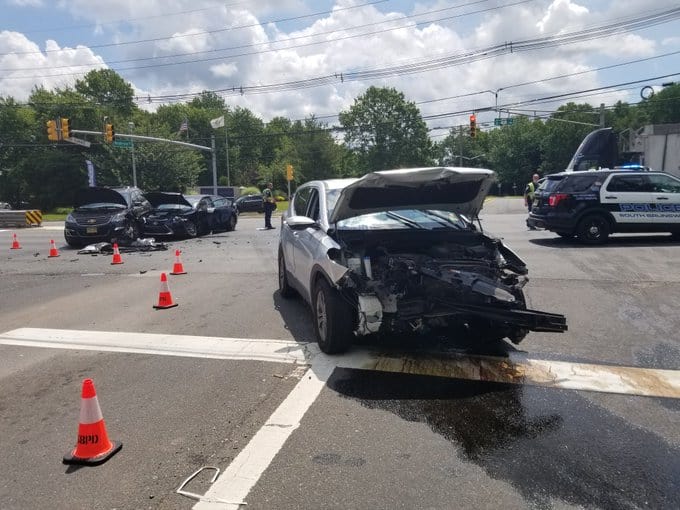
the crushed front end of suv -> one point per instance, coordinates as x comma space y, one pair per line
397, 252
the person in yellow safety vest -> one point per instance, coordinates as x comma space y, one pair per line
529, 192
269, 205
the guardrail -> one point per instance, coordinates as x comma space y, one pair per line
20, 219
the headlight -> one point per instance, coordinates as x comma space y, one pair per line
118, 218
70, 218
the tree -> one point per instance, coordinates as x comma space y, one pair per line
562, 135
107, 89
386, 131
664, 107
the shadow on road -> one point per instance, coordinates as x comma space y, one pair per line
612, 242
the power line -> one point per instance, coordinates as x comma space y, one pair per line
209, 32
269, 43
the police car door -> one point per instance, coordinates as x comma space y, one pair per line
666, 193
629, 199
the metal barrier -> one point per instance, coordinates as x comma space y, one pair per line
19, 219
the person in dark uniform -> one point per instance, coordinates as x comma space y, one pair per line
269, 205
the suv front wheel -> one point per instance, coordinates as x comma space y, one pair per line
593, 229
333, 322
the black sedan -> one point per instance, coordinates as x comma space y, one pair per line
250, 203
178, 215
105, 215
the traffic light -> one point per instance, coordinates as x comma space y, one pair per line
289, 173
65, 128
52, 133
109, 133
473, 125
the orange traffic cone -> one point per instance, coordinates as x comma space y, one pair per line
178, 268
117, 259
15, 243
53, 249
164, 297
93, 446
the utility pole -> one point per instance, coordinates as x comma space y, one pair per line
460, 145
601, 115
131, 125
226, 146
214, 163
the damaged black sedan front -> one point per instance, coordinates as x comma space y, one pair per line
397, 252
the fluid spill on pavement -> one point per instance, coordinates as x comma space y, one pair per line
548, 443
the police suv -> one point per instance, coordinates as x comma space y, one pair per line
593, 204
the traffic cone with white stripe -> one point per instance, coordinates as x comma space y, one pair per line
117, 259
15, 243
178, 268
93, 446
53, 249
164, 297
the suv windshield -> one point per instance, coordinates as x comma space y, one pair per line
405, 219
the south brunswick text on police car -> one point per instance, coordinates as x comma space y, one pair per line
593, 204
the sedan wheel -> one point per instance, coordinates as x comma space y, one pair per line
231, 224
191, 229
333, 319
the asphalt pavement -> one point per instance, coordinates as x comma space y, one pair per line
231, 378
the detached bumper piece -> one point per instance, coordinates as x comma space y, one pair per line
533, 320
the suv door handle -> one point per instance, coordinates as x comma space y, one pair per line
662, 198
610, 196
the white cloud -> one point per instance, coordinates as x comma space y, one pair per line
23, 66
27, 3
227, 47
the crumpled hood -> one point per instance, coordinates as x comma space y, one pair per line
460, 190
157, 198
96, 195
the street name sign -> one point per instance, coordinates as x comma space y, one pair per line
78, 141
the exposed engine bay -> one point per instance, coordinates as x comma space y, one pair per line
417, 282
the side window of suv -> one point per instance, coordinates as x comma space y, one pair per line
629, 183
301, 201
664, 184
580, 183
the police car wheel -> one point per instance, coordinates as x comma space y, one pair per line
593, 229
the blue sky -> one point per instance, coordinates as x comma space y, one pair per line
260, 44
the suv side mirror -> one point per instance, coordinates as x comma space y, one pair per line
300, 222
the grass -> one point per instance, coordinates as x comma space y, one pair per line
57, 214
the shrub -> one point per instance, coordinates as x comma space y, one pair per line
250, 190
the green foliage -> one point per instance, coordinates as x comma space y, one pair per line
382, 130
250, 190
386, 131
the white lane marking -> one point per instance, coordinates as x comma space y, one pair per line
247, 468
279, 351
646, 382
516, 369
51, 227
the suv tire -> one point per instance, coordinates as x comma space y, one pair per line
593, 229
285, 289
333, 321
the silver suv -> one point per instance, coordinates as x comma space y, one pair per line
397, 252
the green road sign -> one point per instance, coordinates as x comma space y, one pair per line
503, 122
123, 144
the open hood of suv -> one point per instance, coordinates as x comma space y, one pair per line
157, 198
98, 195
460, 190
